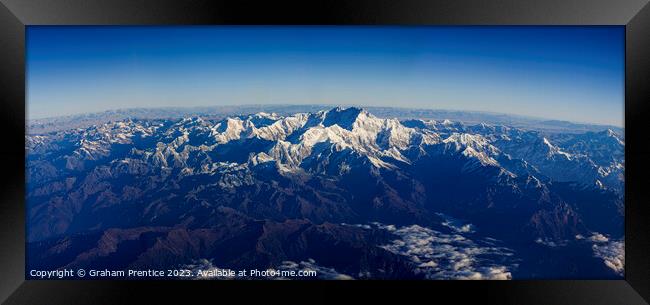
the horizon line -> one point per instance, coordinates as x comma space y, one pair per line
523, 116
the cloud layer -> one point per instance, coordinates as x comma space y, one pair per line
612, 252
438, 255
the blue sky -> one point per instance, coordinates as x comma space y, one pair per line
566, 73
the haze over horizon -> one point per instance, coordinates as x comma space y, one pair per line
573, 74
323, 106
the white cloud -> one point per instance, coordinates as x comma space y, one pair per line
598, 238
450, 256
456, 224
612, 253
551, 243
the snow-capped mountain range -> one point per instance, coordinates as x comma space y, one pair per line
342, 165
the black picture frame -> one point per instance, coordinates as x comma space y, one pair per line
16, 14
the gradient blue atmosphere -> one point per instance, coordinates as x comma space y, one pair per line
565, 73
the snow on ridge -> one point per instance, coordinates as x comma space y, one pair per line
555, 150
344, 128
384, 142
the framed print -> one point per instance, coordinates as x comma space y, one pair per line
389, 148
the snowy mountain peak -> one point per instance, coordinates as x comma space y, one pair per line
344, 117
613, 135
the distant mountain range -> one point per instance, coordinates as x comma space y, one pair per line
45, 125
340, 190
